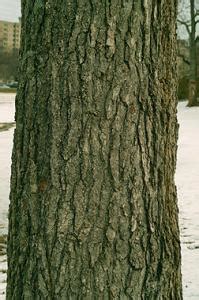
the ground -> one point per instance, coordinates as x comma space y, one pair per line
187, 179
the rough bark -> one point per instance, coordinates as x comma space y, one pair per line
93, 208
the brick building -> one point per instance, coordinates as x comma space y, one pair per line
9, 36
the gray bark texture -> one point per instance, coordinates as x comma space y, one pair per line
93, 207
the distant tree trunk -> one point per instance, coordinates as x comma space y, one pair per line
93, 211
192, 101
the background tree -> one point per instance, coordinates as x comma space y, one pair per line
8, 66
93, 211
190, 24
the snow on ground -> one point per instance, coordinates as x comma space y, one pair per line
187, 180
7, 107
3, 269
7, 110
6, 140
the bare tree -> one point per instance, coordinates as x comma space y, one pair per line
190, 25
9, 66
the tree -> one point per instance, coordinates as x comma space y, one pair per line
93, 210
8, 66
190, 26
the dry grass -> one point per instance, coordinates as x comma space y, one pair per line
8, 90
6, 126
3, 242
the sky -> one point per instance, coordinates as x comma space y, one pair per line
184, 15
10, 10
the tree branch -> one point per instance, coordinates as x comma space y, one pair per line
186, 25
185, 60
197, 21
196, 13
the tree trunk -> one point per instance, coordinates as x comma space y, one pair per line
192, 101
93, 211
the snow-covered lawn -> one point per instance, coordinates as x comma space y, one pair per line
187, 180
3, 268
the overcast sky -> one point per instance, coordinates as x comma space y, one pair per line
10, 10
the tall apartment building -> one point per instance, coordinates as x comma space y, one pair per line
9, 36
